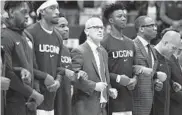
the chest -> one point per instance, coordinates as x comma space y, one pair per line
120, 50
48, 44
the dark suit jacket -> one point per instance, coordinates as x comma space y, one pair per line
86, 101
176, 98
143, 92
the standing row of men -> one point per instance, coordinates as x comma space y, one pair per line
111, 74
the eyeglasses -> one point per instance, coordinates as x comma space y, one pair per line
150, 25
96, 27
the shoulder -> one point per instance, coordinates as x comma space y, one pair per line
7, 35
34, 28
128, 39
81, 49
106, 38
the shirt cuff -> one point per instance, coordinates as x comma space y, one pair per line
118, 78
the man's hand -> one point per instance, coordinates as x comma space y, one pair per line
161, 76
70, 74
54, 87
147, 71
5, 82
49, 80
132, 83
113, 93
100, 86
176, 86
39, 98
123, 80
158, 85
25, 76
31, 105
82, 75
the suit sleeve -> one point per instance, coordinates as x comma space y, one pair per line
86, 86
16, 83
177, 96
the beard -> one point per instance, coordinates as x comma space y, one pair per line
21, 24
54, 21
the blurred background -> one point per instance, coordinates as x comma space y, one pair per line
77, 12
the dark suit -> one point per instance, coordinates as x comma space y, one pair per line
143, 92
86, 101
176, 98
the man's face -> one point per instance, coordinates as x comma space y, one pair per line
149, 28
21, 15
96, 30
63, 28
172, 47
118, 18
51, 14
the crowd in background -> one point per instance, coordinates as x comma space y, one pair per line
122, 76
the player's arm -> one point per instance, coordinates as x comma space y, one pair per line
16, 82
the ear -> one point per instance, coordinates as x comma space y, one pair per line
11, 13
141, 29
86, 32
110, 20
166, 42
42, 12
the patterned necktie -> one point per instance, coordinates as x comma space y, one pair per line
149, 55
102, 70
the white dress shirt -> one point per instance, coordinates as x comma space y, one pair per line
93, 47
145, 43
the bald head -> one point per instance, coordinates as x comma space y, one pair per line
172, 37
94, 21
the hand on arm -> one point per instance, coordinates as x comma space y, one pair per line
133, 81
113, 93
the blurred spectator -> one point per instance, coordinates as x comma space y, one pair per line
71, 11
89, 9
171, 14
151, 8
3, 18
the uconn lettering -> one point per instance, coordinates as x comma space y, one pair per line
48, 48
65, 59
122, 53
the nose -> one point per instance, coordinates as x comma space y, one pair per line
155, 28
66, 28
123, 18
57, 11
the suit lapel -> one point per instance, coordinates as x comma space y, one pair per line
91, 56
142, 48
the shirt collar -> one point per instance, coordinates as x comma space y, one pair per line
92, 45
144, 42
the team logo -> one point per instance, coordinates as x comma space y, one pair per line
65, 59
122, 53
48, 48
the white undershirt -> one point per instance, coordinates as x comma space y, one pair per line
48, 31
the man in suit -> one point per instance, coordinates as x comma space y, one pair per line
164, 50
91, 96
145, 58
176, 75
